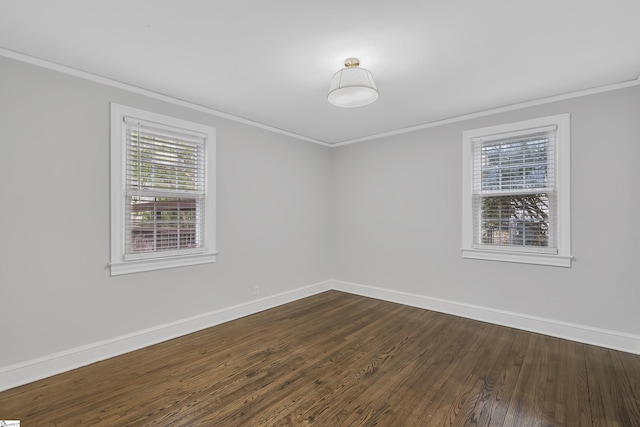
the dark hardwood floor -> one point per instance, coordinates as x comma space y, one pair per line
337, 359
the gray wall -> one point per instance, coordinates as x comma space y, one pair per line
383, 213
397, 219
55, 289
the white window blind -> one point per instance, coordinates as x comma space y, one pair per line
165, 190
162, 191
515, 191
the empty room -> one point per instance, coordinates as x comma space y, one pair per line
303, 213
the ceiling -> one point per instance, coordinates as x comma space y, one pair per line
271, 62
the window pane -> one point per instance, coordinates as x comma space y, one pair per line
519, 220
160, 163
513, 165
161, 223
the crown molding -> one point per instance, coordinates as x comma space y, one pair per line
148, 93
145, 92
484, 113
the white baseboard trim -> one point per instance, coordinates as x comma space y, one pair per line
585, 334
46, 366
43, 367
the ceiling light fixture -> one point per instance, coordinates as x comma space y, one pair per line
352, 86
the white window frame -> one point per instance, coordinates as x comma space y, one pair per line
563, 256
124, 265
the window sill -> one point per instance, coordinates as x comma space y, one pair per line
518, 257
150, 264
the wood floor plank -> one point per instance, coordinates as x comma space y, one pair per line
599, 387
337, 359
627, 378
609, 398
466, 352
489, 380
551, 387
571, 405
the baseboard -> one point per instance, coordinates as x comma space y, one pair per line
43, 367
570, 331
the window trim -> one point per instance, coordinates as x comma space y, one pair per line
118, 264
563, 184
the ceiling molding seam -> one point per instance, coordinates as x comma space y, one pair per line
148, 93
512, 107
145, 92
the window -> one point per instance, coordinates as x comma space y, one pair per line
162, 192
516, 203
